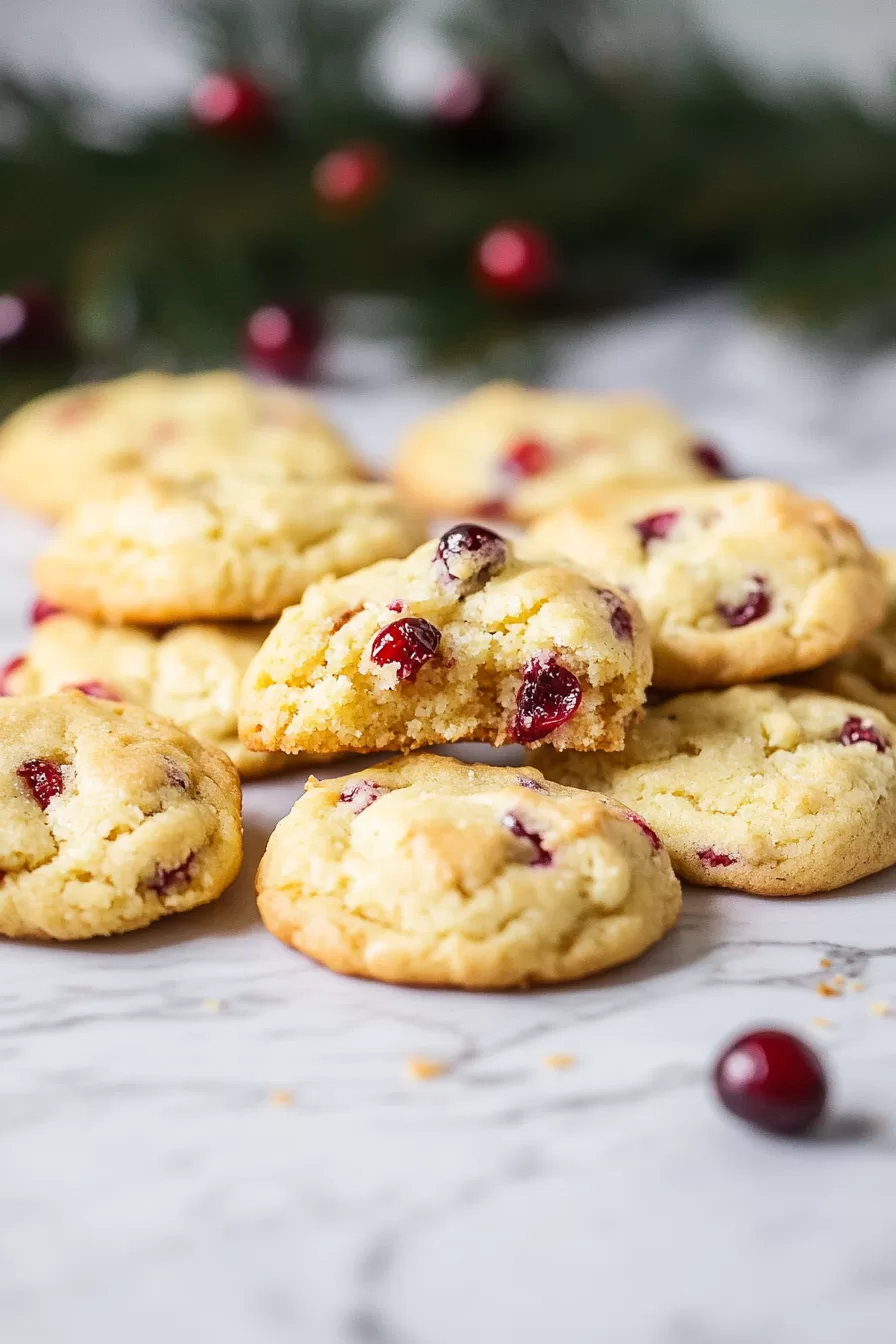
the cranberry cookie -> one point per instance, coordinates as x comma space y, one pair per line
190, 674
64, 447
739, 580
512, 451
111, 818
767, 789
430, 871
462, 641
868, 672
226, 548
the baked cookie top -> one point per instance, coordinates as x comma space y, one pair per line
739, 580
110, 817
63, 447
431, 871
226, 548
512, 451
462, 641
868, 672
767, 789
190, 673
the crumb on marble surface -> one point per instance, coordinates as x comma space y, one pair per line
281, 1097
856, 986
420, 1068
212, 1005
560, 1061
823, 1022
881, 1008
825, 963
827, 991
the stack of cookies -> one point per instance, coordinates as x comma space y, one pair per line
604, 565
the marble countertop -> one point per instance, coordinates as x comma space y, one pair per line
205, 1137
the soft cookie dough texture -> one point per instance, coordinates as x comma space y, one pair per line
219, 548
431, 871
190, 673
110, 818
767, 789
66, 446
519, 451
739, 580
868, 672
315, 685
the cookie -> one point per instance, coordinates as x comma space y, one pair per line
66, 446
517, 452
190, 673
431, 871
868, 672
739, 580
462, 641
768, 789
225, 548
110, 818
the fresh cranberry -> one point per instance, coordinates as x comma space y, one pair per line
470, 555
528, 783
97, 689
651, 834
528, 457
773, 1080
620, 616
548, 697
360, 795
711, 858
541, 857
409, 643
755, 605
656, 526
709, 457
168, 880
862, 730
42, 610
6, 672
44, 779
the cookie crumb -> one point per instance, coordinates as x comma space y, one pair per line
211, 1005
856, 986
559, 1061
822, 1022
881, 1008
420, 1069
825, 963
827, 991
838, 979
281, 1097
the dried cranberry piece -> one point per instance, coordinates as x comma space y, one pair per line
470, 555
620, 616
755, 605
541, 857
44, 779
713, 859
176, 777
42, 610
862, 730
528, 457
6, 672
548, 697
360, 795
409, 643
530, 783
397, 605
773, 1080
491, 508
656, 526
709, 457
166, 881
651, 834
97, 689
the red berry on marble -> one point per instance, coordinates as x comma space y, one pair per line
620, 616
548, 697
709, 457
361, 794
755, 605
6, 672
528, 457
541, 857
656, 526
862, 730
470, 555
42, 610
711, 858
97, 689
167, 880
773, 1080
409, 643
44, 780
